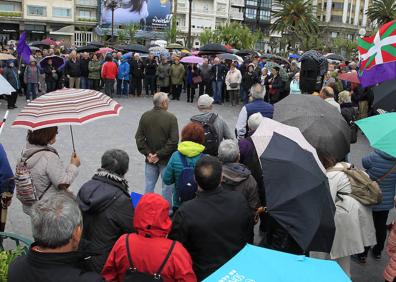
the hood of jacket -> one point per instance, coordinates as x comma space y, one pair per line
235, 173
151, 218
385, 155
98, 193
190, 149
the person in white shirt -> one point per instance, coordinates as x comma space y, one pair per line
327, 94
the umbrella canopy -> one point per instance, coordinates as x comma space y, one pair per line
66, 107
385, 96
276, 59
6, 57
282, 71
294, 56
350, 76
247, 52
334, 57
57, 61
231, 57
174, 46
40, 44
298, 194
32, 48
248, 264
380, 131
96, 44
5, 86
88, 48
213, 49
192, 60
104, 50
49, 41
134, 48
320, 123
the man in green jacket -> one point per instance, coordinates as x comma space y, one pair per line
156, 138
177, 77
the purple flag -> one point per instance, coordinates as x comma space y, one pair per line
23, 49
377, 74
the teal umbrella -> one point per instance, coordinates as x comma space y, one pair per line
380, 130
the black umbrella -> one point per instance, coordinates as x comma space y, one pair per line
385, 96
320, 123
57, 61
136, 48
40, 44
213, 49
335, 57
298, 195
88, 48
247, 52
96, 44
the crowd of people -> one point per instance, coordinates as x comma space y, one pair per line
213, 191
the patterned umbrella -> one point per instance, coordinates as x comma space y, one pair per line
66, 107
192, 60
104, 50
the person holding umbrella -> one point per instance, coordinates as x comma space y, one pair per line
7, 185
51, 76
12, 76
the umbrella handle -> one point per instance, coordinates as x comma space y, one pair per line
4, 121
72, 137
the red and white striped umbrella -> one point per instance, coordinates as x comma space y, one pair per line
66, 107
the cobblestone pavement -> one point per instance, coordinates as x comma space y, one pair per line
94, 138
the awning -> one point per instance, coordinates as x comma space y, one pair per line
67, 30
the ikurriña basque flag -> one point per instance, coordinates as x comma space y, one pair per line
378, 56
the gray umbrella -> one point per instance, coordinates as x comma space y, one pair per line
282, 71
320, 123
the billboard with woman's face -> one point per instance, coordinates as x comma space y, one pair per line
151, 13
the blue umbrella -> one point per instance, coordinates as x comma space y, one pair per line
248, 264
294, 56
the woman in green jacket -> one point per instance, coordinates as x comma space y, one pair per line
94, 68
193, 136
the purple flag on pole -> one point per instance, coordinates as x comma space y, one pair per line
23, 49
378, 74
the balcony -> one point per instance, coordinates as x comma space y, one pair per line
87, 3
238, 3
236, 15
87, 20
13, 14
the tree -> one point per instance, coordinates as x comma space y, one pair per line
208, 36
295, 18
130, 31
382, 11
171, 32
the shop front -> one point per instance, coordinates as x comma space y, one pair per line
8, 32
35, 32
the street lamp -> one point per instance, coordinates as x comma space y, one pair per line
113, 4
189, 25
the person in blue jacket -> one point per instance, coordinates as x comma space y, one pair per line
381, 167
123, 75
7, 183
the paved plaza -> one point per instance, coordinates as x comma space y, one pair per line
94, 138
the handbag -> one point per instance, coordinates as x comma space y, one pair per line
133, 275
234, 84
197, 79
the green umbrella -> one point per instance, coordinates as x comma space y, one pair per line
380, 130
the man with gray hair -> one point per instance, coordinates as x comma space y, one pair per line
57, 228
327, 94
236, 176
157, 137
256, 106
216, 129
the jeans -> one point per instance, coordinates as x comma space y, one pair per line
124, 87
217, 87
94, 84
149, 82
109, 87
234, 97
84, 83
31, 93
119, 86
190, 93
74, 82
151, 174
244, 93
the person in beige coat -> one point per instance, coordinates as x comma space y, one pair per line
353, 221
233, 82
46, 168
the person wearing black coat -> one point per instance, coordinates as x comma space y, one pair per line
84, 62
249, 78
106, 206
137, 74
150, 70
51, 76
276, 86
72, 70
215, 225
12, 76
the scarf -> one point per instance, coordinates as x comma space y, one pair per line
112, 176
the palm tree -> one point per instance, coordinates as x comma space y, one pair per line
295, 18
382, 11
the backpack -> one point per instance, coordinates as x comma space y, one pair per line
133, 275
364, 190
186, 184
211, 137
25, 190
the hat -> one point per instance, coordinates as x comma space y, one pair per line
205, 101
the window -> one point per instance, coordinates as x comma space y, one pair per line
8, 7
84, 14
334, 34
37, 11
251, 13
265, 4
61, 12
251, 3
337, 19
265, 15
221, 8
338, 6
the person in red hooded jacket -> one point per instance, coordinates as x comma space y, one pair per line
150, 246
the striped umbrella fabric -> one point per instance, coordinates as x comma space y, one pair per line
67, 106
